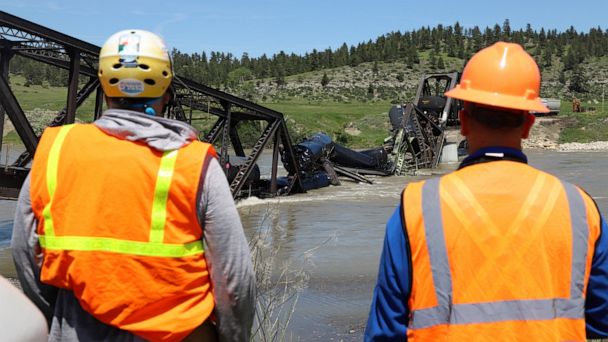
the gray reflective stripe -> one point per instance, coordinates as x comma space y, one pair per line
543, 309
580, 239
435, 242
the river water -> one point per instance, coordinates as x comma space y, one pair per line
336, 235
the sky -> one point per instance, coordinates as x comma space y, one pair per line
269, 26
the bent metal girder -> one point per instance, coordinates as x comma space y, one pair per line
27, 39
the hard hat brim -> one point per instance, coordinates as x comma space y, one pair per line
497, 100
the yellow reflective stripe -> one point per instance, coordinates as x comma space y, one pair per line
51, 177
83, 243
155, 246
161, 194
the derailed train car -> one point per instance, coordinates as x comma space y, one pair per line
321, 161
417, 141
419, 128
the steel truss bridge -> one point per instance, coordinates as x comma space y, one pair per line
193, 101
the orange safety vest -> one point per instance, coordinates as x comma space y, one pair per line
118, 226
500, 251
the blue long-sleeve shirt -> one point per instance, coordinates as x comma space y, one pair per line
389, 312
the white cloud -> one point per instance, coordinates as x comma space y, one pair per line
175, 18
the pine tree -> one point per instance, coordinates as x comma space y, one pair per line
562, 77
497, 34
578, 80
324, 80
432, 60
353, 58
506, 30
461, 52
451, 48
570, 60
440, 63
370, 90
529, 31
32, 74
547, 58
280, 77
477, 39
412, 57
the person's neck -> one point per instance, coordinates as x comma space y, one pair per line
475, 145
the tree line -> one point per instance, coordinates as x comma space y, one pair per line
220, 69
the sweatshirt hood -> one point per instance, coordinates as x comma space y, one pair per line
159, 133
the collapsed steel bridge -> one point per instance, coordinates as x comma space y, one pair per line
419, 128
192, 101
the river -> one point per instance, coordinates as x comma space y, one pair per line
336, 235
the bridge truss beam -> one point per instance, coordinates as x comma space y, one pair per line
27, 39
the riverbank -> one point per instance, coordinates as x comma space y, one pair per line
596, 146
547, 132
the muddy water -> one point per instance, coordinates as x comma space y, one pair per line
344, 228
336, 303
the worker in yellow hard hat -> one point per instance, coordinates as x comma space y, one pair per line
109, 229
496, 250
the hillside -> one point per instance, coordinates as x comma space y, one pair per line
397, 82
348, 91
352, 106
367, 92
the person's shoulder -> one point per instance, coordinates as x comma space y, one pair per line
21, 318
50, 132
565, 183
416, 187
201, 147
413, 185
590, 204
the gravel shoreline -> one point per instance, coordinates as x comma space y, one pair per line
545, 136
597, 146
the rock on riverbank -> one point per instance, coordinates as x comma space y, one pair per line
544, 134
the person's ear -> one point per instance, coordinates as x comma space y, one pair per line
165, 102
528, 122
167, 97
464, 122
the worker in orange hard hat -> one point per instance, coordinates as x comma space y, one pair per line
496, 250
109, 229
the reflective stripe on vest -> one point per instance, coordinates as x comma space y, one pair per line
155, 245
446, 312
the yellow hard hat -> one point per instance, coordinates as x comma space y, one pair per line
136, 64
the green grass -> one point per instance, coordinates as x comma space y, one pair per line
590, 125
304, 118
46, 97
12, 138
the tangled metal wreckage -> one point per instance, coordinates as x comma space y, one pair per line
416, 141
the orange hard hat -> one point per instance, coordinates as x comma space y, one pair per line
502, 75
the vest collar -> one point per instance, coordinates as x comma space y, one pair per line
494, 153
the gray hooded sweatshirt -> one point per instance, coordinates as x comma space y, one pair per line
227, 252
